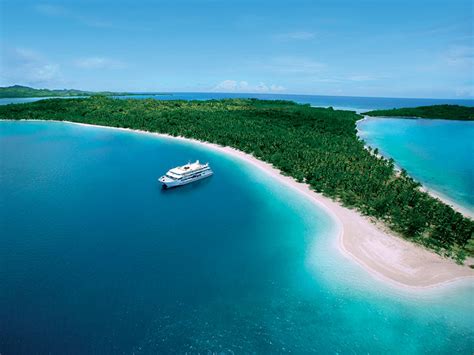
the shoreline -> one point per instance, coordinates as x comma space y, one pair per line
448, 201
432, 192
382, 254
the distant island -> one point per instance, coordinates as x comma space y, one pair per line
318, 146
448, 112
19, 91
16, 91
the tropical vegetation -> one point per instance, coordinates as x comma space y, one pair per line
447, 112
25, 91
318, 146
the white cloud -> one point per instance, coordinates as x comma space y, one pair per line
276, 88
61, 11
295, 36
459, 56
25, 66
230, 85
46, 72
243, 86
465, 91
98, 63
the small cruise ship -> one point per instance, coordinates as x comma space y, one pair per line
185, 174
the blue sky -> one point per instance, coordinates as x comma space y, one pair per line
359, 48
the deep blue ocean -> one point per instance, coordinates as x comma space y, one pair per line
96, 258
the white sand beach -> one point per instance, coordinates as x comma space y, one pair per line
384, 255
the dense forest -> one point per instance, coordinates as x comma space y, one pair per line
447, 112
315, 145
25, 91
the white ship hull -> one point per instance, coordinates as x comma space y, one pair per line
169, 183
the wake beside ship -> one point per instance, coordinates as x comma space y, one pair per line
185, 174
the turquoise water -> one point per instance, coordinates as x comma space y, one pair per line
438, 153
96, 258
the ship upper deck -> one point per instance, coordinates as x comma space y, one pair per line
188, 168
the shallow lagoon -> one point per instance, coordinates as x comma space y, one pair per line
95, 257
437, 153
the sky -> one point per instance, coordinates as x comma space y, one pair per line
378, 48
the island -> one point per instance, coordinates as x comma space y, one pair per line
316, 146
19, 91
447, 112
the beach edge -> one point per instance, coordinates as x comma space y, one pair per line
384, 255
